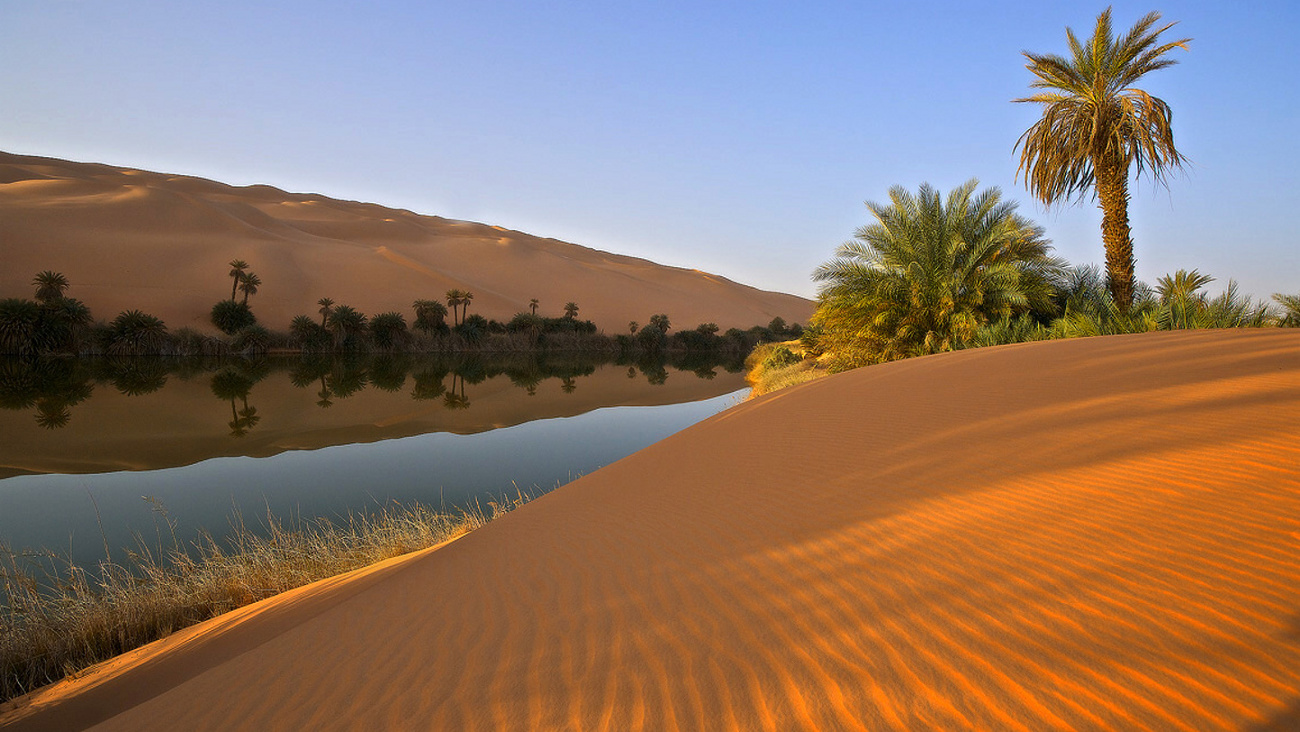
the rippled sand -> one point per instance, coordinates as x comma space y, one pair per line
1088, 534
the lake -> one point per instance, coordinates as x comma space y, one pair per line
91, 448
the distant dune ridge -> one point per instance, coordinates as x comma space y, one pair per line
1099, 533
161, 243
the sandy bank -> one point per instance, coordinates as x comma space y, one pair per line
1093, 534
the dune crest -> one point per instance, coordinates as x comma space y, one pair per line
161, 243
1098, 533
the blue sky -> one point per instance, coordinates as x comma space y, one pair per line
738, 137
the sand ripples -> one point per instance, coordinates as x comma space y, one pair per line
1080, 535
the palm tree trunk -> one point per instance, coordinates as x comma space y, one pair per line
234, 286
1112, 192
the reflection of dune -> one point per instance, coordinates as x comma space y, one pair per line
183, 422
1088, 534
161, 243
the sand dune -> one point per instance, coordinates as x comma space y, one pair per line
160, 243
1090, 534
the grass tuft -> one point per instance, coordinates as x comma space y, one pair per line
57, 618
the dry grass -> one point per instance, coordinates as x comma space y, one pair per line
57, 618
775, 366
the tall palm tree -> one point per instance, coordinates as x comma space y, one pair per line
533, 303
466, 298
571, 310
248, 285
929, 272
237, 267
454, 300
326, 307
1096, 124
49, 286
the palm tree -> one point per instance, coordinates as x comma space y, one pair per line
1290, 309
49, 286
237, 267
133, 332
248, 285
661, 322
533, 303
348, 326
1095, 124
632, 327
454, 300
570, 310
928, 272
430, 315
326, 307
466, 298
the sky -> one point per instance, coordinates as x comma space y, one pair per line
740, 138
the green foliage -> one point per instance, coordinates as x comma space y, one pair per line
133, 333
49, 286
651, 338
473, 328
230, 317
307, 334
20, 322
1290, 317
928, 274
388, 330
1096, 124
661, 322
251, 339
348, 326
430, 317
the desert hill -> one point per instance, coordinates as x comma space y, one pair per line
161, 243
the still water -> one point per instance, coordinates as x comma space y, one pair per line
86, 444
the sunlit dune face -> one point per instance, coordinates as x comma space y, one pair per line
1090, 534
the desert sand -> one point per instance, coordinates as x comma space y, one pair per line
1089, 534
133, 239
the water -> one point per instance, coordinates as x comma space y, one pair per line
85, 442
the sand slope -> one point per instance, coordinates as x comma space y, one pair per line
160, 243
1089, 534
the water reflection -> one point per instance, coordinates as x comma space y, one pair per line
147, 412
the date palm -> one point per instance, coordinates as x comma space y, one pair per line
466, 298
928, 273
571, 310
1096, 125
326, 307
430, 315
532, 304
248, 285
49, 286
237, 267
454, 300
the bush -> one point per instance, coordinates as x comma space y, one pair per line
388, 331
20, 322
133, 333
307, 334
231, 317
252, 339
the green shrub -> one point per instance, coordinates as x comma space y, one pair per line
133, 333
251, 339
231, 317
388, 331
